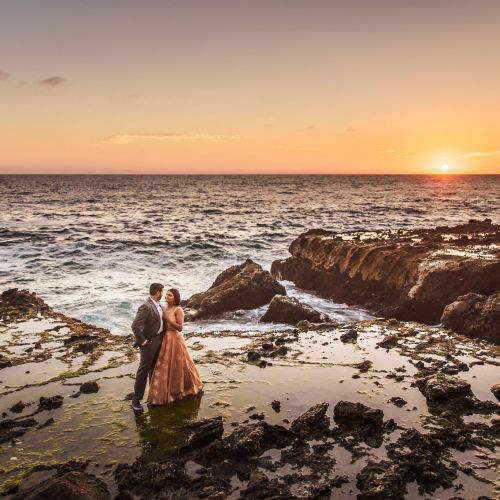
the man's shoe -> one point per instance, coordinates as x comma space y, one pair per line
136, 406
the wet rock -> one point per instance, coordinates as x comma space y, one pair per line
202, 432
89, 387
389, 341
314, 419
10, 429
474, 315
396, 400
253, 355
349, 337
495, 389
50, 403
283, 309
5, 362
72, 485
276, 406
355, 414
437, 388
409, 275
364, 366
22, 301
18, 407
257, 416
253, 439
245, 286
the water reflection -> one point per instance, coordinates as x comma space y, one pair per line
157, 429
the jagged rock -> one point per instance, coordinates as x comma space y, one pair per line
437, 388
50, 403
202, 432
410, 275
10, 429
89, 387
253, 439
253, 355
18, 407
22, 301
389, 341
72, 485
396, 400
245, 286
476, 316
349, 337
312, 420
283, 309
495, 389
276, 406
355, 414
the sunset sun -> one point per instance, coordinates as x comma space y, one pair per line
445, 168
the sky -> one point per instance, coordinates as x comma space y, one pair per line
250, 86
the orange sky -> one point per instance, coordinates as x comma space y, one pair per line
284, 86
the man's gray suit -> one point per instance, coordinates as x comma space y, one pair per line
145, 326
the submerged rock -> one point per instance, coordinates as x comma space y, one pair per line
245, 286
474, 315
202, 432
409, 275
289, 310
74, 485
50, 403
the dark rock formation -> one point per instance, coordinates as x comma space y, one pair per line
349, 337
10, 429
495, 389
202, 432
245, 286
312, 420
409, 275
289, 310
474, 315
74, 485
89, 387
50, 403
357, 414
437, 388
21, 301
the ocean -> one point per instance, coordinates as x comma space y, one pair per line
90, 245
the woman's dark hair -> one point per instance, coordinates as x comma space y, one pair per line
177, 296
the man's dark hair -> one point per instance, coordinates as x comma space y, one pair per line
154, 288
177, 296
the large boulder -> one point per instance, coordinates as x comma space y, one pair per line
410, 275
73, 485
289, 310
245, 286
357, 414
474, 315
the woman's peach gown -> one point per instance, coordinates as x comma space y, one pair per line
175, 375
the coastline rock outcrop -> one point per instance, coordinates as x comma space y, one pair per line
474, 315
410, 275
283, 309
244, 286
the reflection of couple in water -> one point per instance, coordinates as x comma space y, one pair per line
165, 358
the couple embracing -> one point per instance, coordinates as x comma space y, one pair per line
164, 357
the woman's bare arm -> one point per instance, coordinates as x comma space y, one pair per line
179, 319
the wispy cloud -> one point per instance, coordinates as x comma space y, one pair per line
167, 136
3, 75
481, 153
52, 81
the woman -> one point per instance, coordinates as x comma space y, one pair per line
175, 375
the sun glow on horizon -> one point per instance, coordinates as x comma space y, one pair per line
445, 168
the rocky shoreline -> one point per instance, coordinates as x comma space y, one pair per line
376, 409
411, 275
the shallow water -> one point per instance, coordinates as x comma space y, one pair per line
90, 245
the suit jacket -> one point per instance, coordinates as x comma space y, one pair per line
146, 323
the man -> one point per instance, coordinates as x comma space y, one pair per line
148, 327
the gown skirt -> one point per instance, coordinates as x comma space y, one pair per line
175, 375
